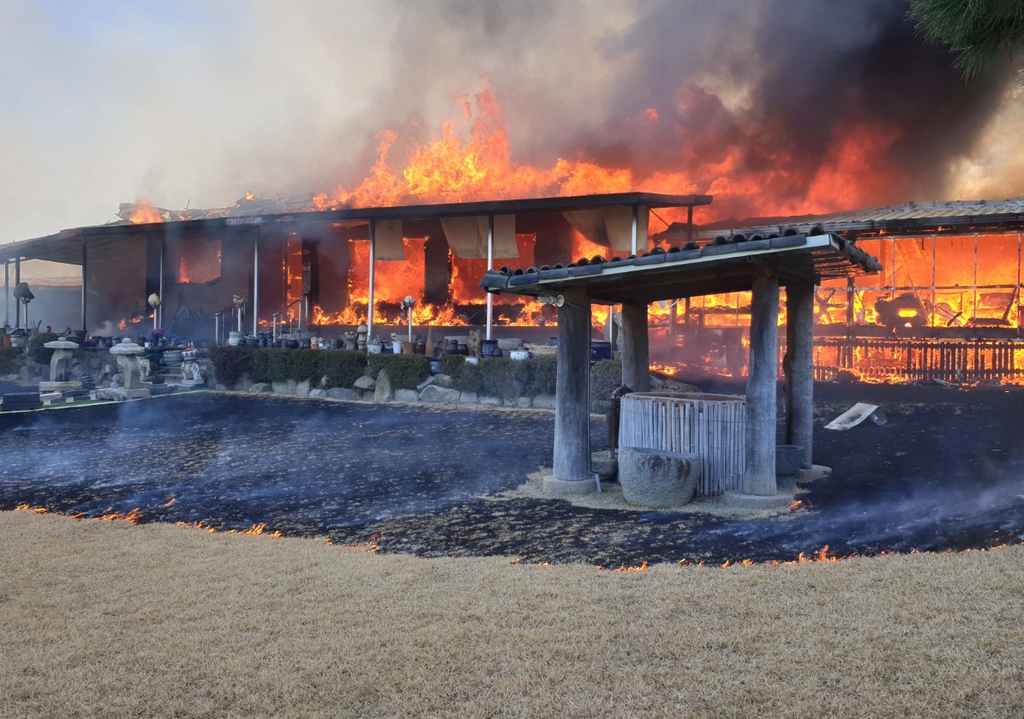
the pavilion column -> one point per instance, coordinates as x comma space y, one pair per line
759, 472
636, 362
799, 368
572, 411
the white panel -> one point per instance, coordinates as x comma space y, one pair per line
388, 242
467, 236
505, 236
642, 243
589, 223
618, 222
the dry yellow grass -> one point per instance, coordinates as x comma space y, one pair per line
111, 620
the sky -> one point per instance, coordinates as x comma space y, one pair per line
193, 103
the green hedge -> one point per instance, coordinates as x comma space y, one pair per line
404, 371
501, 376
321, 368
230, 363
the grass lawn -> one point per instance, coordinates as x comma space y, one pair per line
107, 619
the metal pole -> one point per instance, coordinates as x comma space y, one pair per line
85, 283
256, 283
216, 328
7, 293
369, 294
17, 281
490, 266
636, 220
689, 222
160, 285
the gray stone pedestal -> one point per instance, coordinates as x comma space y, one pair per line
655, 478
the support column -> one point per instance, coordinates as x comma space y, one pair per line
759, 472
85, 284
799, 368
633, 233
7, 293
369, 292
490, 266
572, 411
160, 283
636, 359
255, 283
17, 281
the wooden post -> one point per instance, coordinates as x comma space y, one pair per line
759, 468
635, 348
572, 415
799, 368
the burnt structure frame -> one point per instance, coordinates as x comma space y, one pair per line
71, 246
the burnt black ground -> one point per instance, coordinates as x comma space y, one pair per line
946, 472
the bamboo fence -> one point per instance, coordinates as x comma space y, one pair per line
710, 425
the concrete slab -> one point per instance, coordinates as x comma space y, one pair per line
816, 472
738, 500
569, 486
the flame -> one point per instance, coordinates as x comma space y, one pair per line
142, 212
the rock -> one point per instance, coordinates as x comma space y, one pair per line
243, 384
439, 395
544, 401
109, 394
845, 376
318, 393
487, 399
260, 388
382, 392
286, 387
510, 401
406, 395
221, 387
468, 397
365, 383
342, 393
524, 402
604, 464
443, 380
653, 478
302, 388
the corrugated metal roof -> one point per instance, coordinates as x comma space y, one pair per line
908, 217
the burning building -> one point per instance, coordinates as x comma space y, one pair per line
946, 306
325, 271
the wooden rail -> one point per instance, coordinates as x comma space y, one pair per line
963, 361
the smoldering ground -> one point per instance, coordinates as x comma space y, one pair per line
944, 473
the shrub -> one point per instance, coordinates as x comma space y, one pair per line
542, 375
452, 365
35, 349
605, 377
404, 371
504, 377
342, 367
230, 363
10, 360
469, 377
